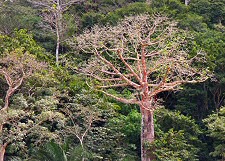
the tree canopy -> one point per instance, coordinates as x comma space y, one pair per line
160, 52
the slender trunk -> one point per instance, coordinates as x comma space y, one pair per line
2, 151
148, 2
3, 119
82, 146
57, 48
186, 2
57, 42
4, 110
13, 86
9, 92
147, 134
1, 128
58, 29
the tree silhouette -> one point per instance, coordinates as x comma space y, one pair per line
147, 56
15, 66
53, 16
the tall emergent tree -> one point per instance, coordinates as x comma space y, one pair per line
215, 123
52, 14
144, 54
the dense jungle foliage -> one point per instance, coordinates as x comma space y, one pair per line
56, 115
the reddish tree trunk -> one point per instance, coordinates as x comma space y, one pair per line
2, 151
9, 93
147, 134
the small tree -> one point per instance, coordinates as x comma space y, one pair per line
75, 115
15, 67
53, 15
143, 54
216, 129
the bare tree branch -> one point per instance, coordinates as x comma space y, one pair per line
53, 18
143, 52
117, 71
128, 66
120, 99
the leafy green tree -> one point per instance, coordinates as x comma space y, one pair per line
51, 152
193, 22
27, 116
129, 125
129, 10
17, 66
212, 11
213, 42
30, 124
194, 101
80, 117
177, 137
89, 127
216, 129
173, 146
89, 19
56, 152
22, 39
119, 137
17, 15
170, 7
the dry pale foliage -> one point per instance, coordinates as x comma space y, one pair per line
143, 53
15, 67
146, 55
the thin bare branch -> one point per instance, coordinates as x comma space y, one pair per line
117, 71
7, 77
129, 67
150, 51
114, 85
120, 99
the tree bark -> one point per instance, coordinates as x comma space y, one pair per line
3, 146
148, 2
187, 2
9, 93
2, 151
147, 134
58, 30
57, 48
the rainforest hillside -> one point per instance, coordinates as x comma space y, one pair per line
112, 80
